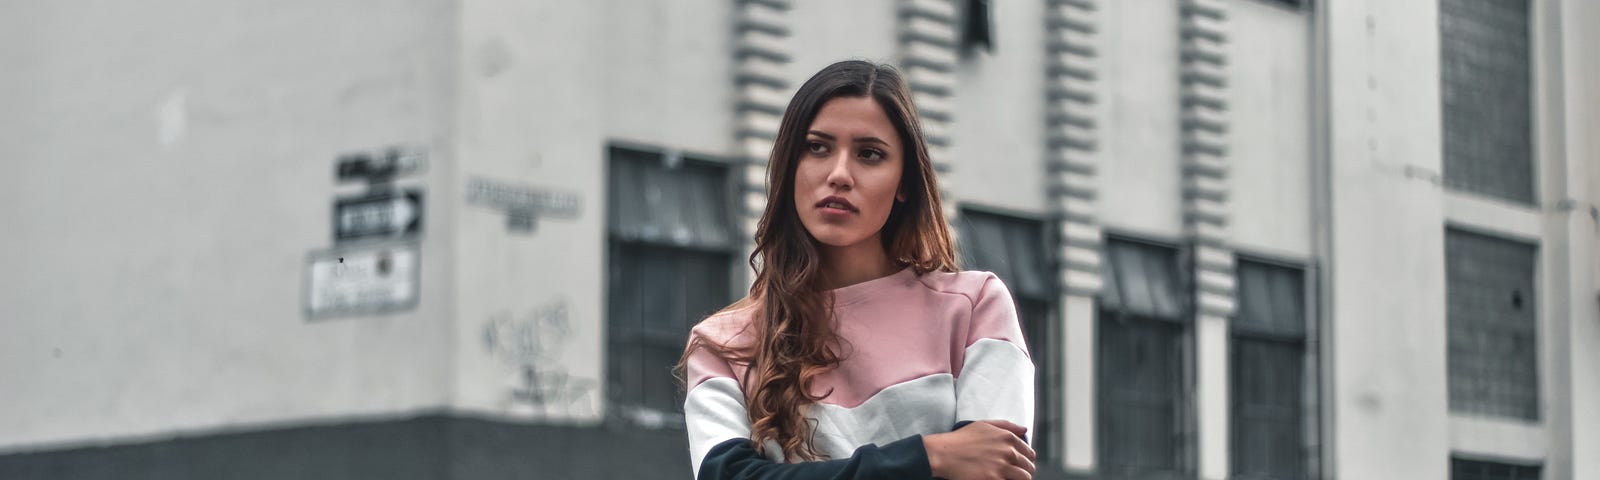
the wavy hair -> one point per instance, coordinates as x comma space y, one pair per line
792, 327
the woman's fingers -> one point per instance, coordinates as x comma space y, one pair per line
1023, 448
1022, 461
996, 448
1014, 473
1009, 427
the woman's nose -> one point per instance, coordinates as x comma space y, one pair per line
839, 174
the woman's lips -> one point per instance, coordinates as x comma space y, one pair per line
836, 207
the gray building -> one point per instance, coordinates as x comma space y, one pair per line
1331, 239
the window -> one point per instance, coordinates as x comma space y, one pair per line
977, 29
1485, 82
1463, 469
1013, 248
1490, 298
1293, 4
1267, 373
1145, 419
670, 250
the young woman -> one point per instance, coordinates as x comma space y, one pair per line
861, 351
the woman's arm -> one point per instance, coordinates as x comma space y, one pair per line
995, 378
986, 449
719, 442
735, 459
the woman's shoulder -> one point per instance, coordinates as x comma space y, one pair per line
726, 325
976, 285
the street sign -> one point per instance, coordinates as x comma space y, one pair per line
523, 204
363, 280
381, 215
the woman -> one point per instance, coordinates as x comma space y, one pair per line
861, 350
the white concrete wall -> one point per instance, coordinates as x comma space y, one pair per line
1140, 174
998, 144
669, 81
1581, 125
1389, 406
533, 111
167, 168
1269, 111
827, 31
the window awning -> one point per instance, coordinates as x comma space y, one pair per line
1271, 299
682, 205
1012, 248
1142, 280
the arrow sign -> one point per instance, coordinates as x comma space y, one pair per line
385, 215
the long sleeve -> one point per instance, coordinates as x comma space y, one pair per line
736, 460
719, 438
995, 380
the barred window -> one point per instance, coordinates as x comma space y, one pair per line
1145, 418
1490, 298
1014, 249
1463, 469
1484, 73
670, 250
1267, 373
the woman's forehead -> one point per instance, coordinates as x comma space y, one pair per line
854, 118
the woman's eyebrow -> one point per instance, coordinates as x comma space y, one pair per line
867, 139
872, 140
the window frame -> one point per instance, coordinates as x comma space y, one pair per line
1307, 340
634, 412
1532, 153
1457, 460
1186, 428
1535, 328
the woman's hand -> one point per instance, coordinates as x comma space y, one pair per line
982, 450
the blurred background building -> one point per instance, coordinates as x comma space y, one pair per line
1293, 239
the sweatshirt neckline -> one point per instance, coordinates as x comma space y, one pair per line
849, 294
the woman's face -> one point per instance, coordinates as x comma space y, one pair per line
848, 172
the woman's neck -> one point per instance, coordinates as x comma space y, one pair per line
845, 266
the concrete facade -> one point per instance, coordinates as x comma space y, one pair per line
168, 167
167, 170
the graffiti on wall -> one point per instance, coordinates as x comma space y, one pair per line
532, 343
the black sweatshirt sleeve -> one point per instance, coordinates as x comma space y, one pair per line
735, 459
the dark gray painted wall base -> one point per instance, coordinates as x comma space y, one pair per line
427, 447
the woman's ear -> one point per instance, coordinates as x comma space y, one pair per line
900, 196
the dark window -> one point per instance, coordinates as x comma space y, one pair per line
1145, 420
1014, 249
1462, 469
670, 253
1490, 298
1267, 373
977, 29
1293, 4
1141, 403
1486, 93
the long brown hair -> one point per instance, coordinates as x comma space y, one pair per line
793, 332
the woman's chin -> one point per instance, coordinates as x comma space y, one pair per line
839, 239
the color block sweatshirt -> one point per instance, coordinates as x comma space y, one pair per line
923, 354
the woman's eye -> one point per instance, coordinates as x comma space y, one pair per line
871, 154
816, 147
